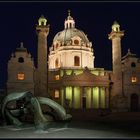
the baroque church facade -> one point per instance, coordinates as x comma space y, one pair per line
67, 74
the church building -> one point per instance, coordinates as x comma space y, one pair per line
67, 74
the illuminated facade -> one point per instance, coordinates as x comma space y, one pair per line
20, 71
72, 73
71, 79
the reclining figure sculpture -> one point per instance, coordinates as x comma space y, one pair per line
32, 104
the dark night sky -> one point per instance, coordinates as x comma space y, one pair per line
18, 20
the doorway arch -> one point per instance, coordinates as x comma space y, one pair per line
134, 102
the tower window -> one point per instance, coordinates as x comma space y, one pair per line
56, 94
42, 23
57, 45
57, 77
76, 42
20, 59
133, 79
133, 65
76, 61
20, 76
117, 29
56, 63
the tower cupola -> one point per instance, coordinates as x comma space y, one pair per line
116, 26
42, 21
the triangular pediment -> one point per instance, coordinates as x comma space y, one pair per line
85, 76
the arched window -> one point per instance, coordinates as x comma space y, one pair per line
76, 61
57, 45
20, 59
117, 29
56, 63
133, 65
70, 25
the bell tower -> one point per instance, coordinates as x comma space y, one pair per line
116, 35
42, 30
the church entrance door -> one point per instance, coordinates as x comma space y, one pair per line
84, 102
134, 102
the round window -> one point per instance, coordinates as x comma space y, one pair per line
133, 64
20, 59
76, 42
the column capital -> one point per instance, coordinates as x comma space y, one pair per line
115, 34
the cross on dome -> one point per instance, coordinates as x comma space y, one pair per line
68, 12
69, 16
21, 45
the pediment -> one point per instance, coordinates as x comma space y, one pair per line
85, 76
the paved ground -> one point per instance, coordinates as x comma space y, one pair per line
74, 129
113, 126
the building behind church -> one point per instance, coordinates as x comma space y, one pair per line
67, 74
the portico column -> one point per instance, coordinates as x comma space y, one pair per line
106, 97
73, 97
91, 97
64, 96
99, 97
81, 96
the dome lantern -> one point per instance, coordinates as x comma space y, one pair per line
69, 22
